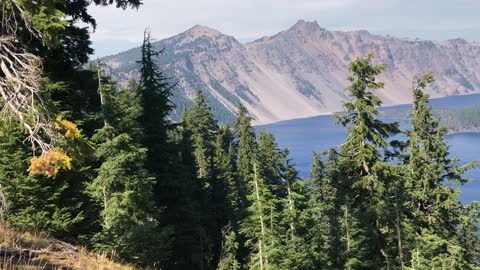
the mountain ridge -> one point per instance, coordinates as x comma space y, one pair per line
301, 71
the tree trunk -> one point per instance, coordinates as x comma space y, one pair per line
102, 97
347, 228
399, 231
290, 205
260, 215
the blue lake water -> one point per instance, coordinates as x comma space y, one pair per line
320, 133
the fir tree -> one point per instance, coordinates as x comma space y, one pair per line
199, 121
225, 177
228, 260
123, 187
270, 158
171, 160
434, 204
201, 128
255, 225
245, 147
292, 242
155, 98
254, 194
325, 210
468, 233
181, 193
35, 202
155, 94
360, 161
127, 110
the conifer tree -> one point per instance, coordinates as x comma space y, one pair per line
325, 210
46, 37
199, 121
431, 180
61, 206
181, 193
225, 177
201, 128
255, 225
155, 100
245, 146
127, 110
270, 158
225, 197
291, 243
130, 219
228, 260
360, 162
35, 202
468, 233
245, 149
171, 160
269, 170
254, 194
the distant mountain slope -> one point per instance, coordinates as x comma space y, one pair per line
301, 71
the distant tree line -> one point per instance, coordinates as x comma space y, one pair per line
456, 119
460, 119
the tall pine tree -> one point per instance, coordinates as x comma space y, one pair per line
156, 90
360, 162
431, 180
326, 211
130, 224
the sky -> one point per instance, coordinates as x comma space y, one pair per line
247, 20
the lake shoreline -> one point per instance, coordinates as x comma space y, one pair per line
449, 133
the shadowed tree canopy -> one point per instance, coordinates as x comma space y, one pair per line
41, 39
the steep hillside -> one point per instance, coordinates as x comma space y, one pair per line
301, 71
26, 250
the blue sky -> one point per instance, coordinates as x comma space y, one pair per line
119, 30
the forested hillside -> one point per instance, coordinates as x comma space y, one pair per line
456, 119
467, 119
108, 168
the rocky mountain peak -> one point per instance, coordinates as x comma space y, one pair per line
458, 41
200, 30
307, 27
205, 35
302, 71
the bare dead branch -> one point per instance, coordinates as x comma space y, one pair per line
20, 76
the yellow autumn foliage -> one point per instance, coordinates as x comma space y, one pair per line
69, 129
50, 163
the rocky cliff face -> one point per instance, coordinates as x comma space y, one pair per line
301, 71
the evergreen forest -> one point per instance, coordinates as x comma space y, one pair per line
104, 166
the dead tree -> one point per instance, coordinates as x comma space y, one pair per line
20, 78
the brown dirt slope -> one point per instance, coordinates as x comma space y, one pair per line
35, 251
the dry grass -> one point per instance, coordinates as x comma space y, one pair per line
38, 251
